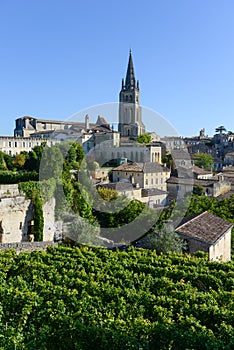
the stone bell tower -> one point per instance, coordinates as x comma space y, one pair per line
130, 122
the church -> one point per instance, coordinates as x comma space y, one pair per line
99, 137
130, 118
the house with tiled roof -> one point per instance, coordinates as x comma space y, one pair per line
150, 177
147, 175
209, 233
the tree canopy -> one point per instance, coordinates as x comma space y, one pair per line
221, 129
144, 138
204, 160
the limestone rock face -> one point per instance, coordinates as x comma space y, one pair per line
17, 216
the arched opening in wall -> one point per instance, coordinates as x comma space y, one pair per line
30, 235
128, 132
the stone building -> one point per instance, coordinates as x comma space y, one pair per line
26, 126
130, 116
209, 233
147, 175
183, 184
14, 145
17, 216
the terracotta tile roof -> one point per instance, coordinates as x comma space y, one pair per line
204, 227
148, 167
200, 171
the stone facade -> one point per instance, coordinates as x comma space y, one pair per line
147, 175
14, 145
209, 233
17, 216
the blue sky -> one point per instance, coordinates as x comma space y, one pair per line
60, 57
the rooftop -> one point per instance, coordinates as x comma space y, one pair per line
204, 227
148, 167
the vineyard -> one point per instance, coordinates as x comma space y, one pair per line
86, 298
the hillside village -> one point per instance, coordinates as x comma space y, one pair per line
156, 171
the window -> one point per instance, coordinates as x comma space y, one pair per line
20, 226
152, 181
146, 181
15, 144
9, 144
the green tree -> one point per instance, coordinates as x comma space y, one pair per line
51, 163
107, 193
204, 160
144, 138
38, 217
84, 231
19, 161
166, 240
168, 160
198, 190
9, 161
3, 165
221, 129
33, 159
74, 155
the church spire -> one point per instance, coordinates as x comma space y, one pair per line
130, 81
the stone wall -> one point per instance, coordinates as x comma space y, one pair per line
17, 216
221, 250
27, 246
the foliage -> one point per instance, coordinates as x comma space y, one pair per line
168, 160
3, 165
107, 193
32, 191
166, 240
73, 153
33, 159
84, 298
122, 212
38, 217
10, 177
204, 160
19, 160
51, 163
83, 231
221, 129
198, 190
144, 138
9, 161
